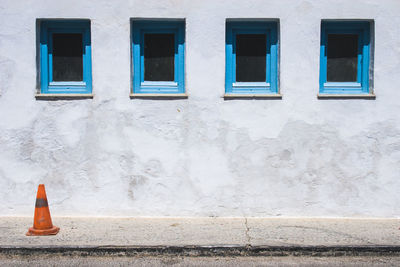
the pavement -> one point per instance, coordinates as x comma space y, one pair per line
177, 261
206, 236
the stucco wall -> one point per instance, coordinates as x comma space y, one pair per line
201, 156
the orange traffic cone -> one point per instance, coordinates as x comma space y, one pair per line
42, 224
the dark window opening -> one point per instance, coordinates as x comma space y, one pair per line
67, 57
159, 52
251, 52
342, 58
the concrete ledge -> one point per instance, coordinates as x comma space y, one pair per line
159, 96
63, 96
252, 96
202, 236
348, 96
206, 251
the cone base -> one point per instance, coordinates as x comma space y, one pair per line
52, 231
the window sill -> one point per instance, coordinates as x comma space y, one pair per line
63, 96
346, 96
252, 96
159, 96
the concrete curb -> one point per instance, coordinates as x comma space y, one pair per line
204, 251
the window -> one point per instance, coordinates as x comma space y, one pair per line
345, 57
158, 57
251, 57
65, 57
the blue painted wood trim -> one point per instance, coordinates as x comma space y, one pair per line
139, 28
360, 28
270, 29
49, 27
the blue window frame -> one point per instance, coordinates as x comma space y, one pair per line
173, 81
64, 33
267, 81
341, 36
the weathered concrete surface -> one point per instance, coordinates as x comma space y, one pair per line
51, 260
201, 156
127, 231
325, 232
88, 232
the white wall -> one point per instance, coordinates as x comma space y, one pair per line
201, 156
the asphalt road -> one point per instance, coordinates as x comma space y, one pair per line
51, 260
